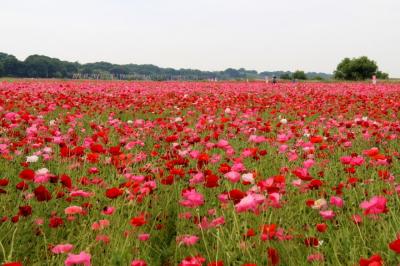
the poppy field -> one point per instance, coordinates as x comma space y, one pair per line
199, 173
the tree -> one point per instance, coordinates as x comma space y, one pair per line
299, 74
318, 78
357, 69
118, 70
286, 76
382, 75
232, 73
37, 66
11, 65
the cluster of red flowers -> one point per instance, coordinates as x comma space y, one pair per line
218, 172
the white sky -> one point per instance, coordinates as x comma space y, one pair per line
313, 35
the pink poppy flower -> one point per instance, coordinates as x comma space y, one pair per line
196, 179
71, 210
80, 193
308, 163
327, 215
336, 201
222, 143
233, 176
282, 148
143, 237
76, 259
138, 263
103, 238
315, 257
238, 167
62, 248
188, 240
357, 219
101, 224
249, 203
375, 205
108, 210
192, 198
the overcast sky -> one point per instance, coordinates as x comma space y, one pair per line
313, 35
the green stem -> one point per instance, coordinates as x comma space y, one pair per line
3, 250
12, 244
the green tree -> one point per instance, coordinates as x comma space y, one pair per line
11, 65
356, 69
286, 76
232, 73
1, 69
382, 75
37, 66
299, 74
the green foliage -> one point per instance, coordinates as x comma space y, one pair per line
299, 74
318, 78
11, 65
286, 76
39, 66
382, 75
358, 69
45, 67
1, 69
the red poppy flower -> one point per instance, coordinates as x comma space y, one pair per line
78, 151
321, 228
273, 256
168, 180
113, 193
224, 168
236, 195
3, 182
16, 263
42, 194
96, 148
316, 139
27, 174
116, 150
311, 241
374, 260
315, 184
138, 221
171, 138
25, 210
15, 219
310, 202
22, 186
93, 157
66, 181
55, 222
395, 245
211, 181
302, 174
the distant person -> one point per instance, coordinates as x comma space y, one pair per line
374, 79
274, 79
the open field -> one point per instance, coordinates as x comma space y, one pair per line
185, 173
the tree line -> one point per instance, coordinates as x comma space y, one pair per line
40, 66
